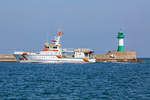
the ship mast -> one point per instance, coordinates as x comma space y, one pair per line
58, 38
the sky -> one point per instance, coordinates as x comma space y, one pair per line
28, 24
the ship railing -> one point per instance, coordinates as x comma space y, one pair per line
68, 50
83, 49
78, 49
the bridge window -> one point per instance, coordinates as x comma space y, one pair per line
55, 47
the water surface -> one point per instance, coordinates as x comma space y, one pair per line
97, 81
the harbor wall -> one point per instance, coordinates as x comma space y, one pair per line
7, 58
114, 56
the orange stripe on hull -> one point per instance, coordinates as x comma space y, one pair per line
59, 56
85, 59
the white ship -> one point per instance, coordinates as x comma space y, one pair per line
54, 53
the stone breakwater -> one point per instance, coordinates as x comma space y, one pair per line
7, 58
112, 56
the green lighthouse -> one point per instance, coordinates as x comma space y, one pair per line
121, 41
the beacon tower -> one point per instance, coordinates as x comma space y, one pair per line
121, 41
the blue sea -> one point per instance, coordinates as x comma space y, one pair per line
97, 81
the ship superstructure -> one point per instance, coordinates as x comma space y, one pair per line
54, 53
